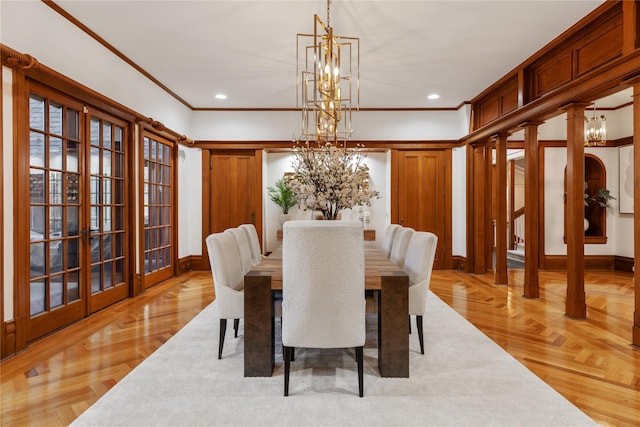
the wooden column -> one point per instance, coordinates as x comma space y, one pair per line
479, 237
500, 274
636, 210
575, 305
531, 208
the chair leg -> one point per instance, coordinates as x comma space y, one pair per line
360, 359
420, 337
223, 329
287, 367
236, 325
409, 324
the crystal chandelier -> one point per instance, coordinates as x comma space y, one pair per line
595, 130
327, 69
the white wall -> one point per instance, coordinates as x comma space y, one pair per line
379, 172
555, 163
7, 191
368, 125
459, 201
189, 201
55, 42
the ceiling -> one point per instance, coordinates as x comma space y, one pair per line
408, 49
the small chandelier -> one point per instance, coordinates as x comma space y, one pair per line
595, 130
327, 71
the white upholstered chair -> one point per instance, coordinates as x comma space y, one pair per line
323, 289
256, 251
387, 243
400, 244
418, 265
228, 281
243, 247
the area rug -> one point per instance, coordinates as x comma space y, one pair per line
463, 379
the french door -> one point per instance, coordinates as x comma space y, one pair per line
158, 213
77, 210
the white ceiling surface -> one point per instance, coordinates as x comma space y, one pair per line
408, 49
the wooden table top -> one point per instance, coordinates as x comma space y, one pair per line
376, 266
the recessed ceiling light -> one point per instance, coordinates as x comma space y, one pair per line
433, 96
221, 96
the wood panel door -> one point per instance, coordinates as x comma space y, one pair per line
422, 196
234, 182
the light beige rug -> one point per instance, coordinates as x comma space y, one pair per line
464, 379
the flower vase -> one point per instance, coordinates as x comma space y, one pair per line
330, 216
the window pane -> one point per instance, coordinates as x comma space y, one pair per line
118, 192
95, 249
37, 223
72, 156
55, 187
95, 219
106, 220
117, 138
73, 127
36, 185
106, 246
119, 244
106, 163
106, 193
106, 135
118, 165
55, 256
55, 118
73, 223
95, 161
55, 221
36, 149
72, 187
119, 271
73, 257
94, 196
73, 286
96, 279
55, 153
37, 290
119, 220
36, 112
95, 132
108, 275
56, 294
36, 256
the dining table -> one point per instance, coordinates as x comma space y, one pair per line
383, 278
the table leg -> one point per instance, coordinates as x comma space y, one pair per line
393, 328
259, 355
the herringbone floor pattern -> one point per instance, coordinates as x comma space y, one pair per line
589, 361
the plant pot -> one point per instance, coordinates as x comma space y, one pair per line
284, 218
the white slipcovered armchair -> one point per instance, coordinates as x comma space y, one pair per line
228, 281
256, 251
418, 266
244, 248
401, 240
387, 243
323, 289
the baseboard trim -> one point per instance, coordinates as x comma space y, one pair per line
624, 263
591, 262
458, 262
193, 262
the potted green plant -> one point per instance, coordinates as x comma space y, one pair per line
282, 195
601, 197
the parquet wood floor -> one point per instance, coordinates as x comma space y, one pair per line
589, 361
